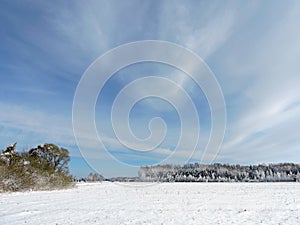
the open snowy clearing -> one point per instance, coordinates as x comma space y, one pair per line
164, 203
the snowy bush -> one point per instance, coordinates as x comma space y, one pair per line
42, 168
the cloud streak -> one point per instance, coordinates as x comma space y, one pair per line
252, 48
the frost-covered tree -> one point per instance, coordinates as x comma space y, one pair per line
51, 157
44, 167
221, 173
94, 177
9, 155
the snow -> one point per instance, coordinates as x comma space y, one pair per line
156, 203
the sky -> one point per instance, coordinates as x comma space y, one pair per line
252, 48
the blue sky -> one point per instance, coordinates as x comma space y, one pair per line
252, 47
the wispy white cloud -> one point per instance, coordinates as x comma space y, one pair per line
31, 126
202, 27
253, 48
264, 102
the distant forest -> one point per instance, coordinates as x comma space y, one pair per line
283, 172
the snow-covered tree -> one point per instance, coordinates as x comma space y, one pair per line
221, 173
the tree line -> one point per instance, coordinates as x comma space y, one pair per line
283, 172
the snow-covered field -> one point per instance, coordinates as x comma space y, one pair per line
165, 203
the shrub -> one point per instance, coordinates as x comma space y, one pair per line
41, 168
